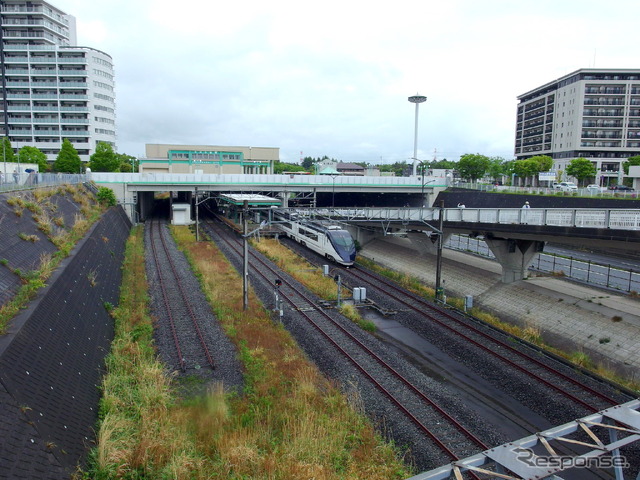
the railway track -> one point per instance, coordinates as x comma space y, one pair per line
176, 311
514, 354
446, 433
550, 386
525, 361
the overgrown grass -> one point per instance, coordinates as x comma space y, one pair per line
351, 312
311, 277
36, 200
296, 266
528, 333
411, 283
290, 421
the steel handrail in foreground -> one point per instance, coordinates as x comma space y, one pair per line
517, 460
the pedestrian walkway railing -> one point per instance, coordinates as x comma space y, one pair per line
621, 219
587, 271
24, 181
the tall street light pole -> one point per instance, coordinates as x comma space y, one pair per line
245, 256
417, 99
424, 173
439, 289
333, 190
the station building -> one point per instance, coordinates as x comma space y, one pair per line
589, 113
208, 159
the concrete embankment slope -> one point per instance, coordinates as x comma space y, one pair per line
576, 317
52, 357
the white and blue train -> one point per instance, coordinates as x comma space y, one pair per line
331, 241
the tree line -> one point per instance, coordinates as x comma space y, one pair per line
470, 167
105, 159
473, 167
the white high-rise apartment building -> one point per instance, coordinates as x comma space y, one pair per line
51, 88
590, 113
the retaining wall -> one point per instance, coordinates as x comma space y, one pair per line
52, 359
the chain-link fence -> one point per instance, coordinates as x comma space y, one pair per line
21, 181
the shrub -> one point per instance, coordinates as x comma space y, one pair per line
106, 197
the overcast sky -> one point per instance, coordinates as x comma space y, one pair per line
332, 77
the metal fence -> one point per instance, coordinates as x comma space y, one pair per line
21, 181
582, 192
621, 219
593, 273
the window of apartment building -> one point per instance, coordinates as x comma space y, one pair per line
104, 120
102, 73
101, 61
104, 97
103, 85
104, 109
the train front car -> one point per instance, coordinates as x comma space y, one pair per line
343, 244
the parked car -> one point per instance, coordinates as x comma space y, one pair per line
566, 186
593, 188
621, 188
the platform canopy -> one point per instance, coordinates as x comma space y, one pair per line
329, 171
252, 199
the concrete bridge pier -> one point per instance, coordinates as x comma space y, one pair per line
427, 243
362, 235
514, 256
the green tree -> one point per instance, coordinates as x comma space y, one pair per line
68, 160
128, 163
509, 168
104, 159
525, 169
582, 169
8, 155
544, 162
307, 163
29, 154
530, 167
397, 168
473, 166
496, 168
631, 162
280, 167
443, 164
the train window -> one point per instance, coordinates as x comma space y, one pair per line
308, 234
342, 238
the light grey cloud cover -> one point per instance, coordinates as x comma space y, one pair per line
333, 77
